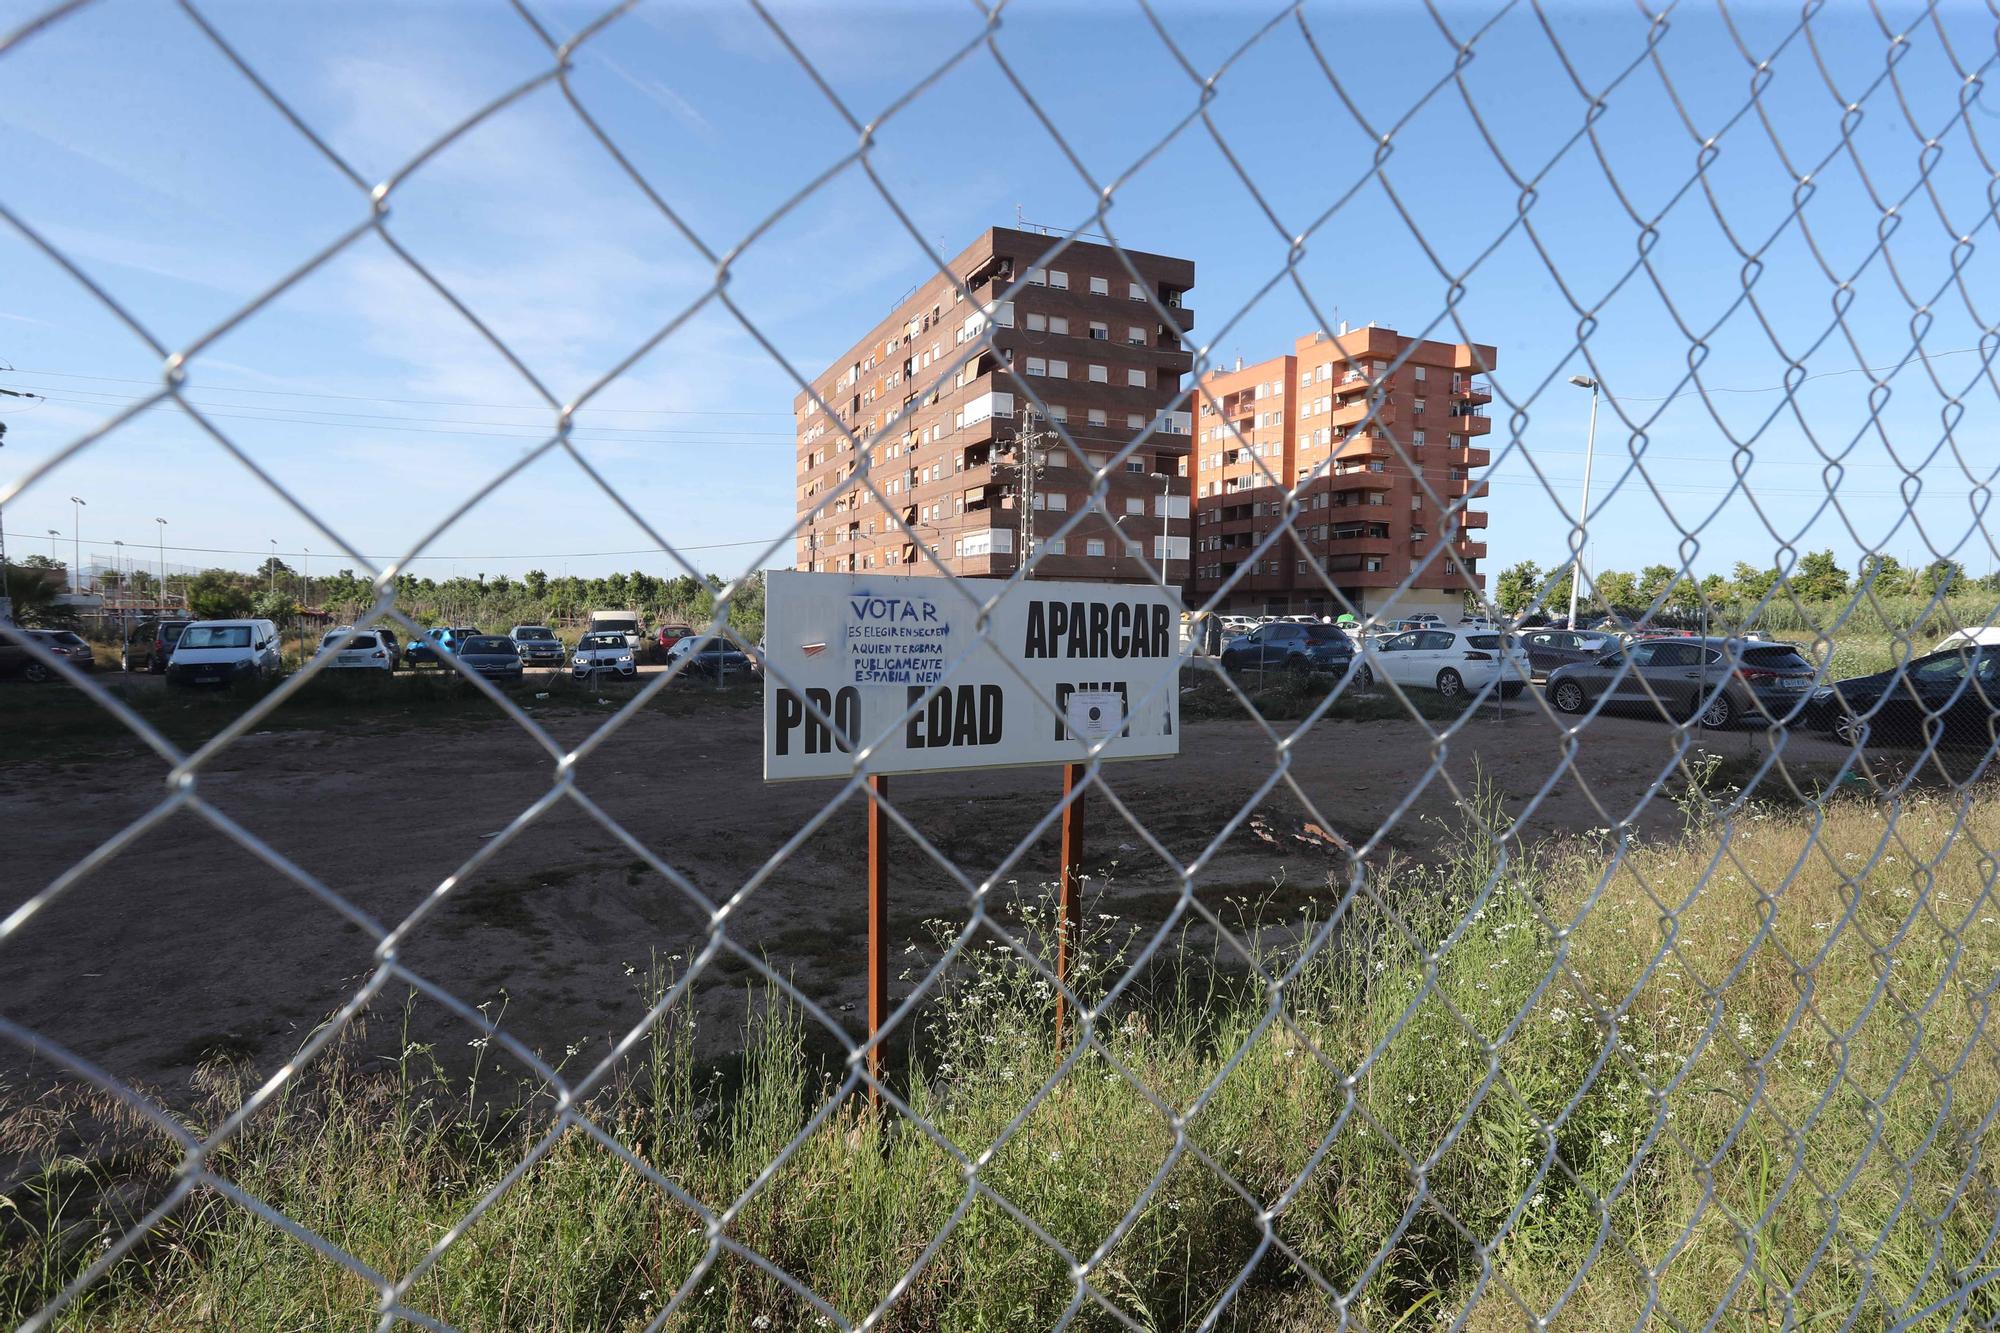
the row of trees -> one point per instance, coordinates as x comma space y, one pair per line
1817, 581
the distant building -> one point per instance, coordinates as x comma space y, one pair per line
1083, 331
1327, 422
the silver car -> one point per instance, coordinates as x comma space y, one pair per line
605, 654
1719, 681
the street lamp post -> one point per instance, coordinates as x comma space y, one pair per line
1583, 516
274, 564
76, 543
53, 534
162, 591
1166, 518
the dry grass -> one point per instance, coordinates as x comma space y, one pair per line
1745, 1079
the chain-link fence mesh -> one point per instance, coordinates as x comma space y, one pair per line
1734, 1069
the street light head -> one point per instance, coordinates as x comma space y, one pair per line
1583, 381
76, 500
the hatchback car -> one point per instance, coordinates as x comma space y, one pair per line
717, 660
1451, 661
350, 649
17, 660
1952, 695
1288, 646
493, 656
437, 644
538, 645
1719, 681
602, 655
1548, 649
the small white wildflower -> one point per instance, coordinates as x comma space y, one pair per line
1538, 1201
1606, 1138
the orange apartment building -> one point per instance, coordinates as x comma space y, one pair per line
1087, 336
1325, 425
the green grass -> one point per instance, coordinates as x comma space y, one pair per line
1669, 1122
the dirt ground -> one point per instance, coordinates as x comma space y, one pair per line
185, 946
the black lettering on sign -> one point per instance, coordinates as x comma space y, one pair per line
796, 713
1037, 641
956, 715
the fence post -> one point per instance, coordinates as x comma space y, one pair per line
878, 924
1069, 905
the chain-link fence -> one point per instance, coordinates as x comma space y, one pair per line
1687, 1023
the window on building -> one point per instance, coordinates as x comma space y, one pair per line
1135, 291
1100, 286
1058, 458
1052, 545
1419, 406
1095, 460
1135, 335
1059, 370
1136, 420
1057, 412
1134, 505
1038, 323
1038, 277
1137, 379
1037, 366
1059, 324
1416, 502
1135, 465
1416, 439
1094, 546
1099, 332
1098, 417
1417, 373
1100, 375
1058, 500
1058, 279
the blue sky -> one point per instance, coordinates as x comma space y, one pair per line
140, 152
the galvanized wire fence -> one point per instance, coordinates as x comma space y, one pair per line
1958, 1226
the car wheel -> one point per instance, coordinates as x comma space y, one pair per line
1852, 731
1450, 684
124, 661
1719, 713
1298, 665
1364, 677
1568, 697
36, 672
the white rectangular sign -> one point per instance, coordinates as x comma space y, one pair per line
867, 649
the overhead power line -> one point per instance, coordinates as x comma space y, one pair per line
149, 544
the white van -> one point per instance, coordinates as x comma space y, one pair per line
224, 652
619, 622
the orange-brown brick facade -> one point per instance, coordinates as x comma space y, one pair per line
1081, 329
1346, 422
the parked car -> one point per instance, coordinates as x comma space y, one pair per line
1289, 646
493, 656
350, 649
149, 645
716, 659
1953, 695
1451, 661
225, 652
16, 659
436, 643
537, 644
666, 637
1548, 649
1980, 636
603, 655
1719, 680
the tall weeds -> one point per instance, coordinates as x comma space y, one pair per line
1742, 1079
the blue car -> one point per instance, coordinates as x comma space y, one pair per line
437, 644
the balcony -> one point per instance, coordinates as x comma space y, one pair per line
1362, 545
1466, 550
1472, 391
1468, 457
1472, 518
1472, 421
1353, 414
1359, 480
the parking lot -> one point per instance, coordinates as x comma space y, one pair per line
218, 952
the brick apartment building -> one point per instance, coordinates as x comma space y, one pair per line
1089, 340
1304, 421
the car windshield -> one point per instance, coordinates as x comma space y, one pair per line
535, 632
601, 641
616, 626
172, 632
216, 636
487, 643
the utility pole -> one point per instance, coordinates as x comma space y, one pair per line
163, 565
76, 544
1029, 460
6, 592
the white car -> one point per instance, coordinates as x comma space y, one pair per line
606, 654
356, 650
1450, 661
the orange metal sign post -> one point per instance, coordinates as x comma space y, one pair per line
1069, 894
878, 923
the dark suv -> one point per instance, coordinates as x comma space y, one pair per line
1285, 645
150, 644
